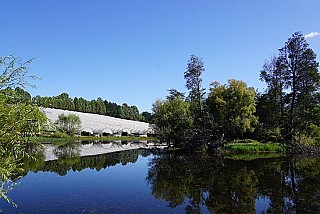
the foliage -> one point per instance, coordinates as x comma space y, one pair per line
173, 119
310, 136
59, 134
233, 108
293, 82
193, 79
69, 123
300, 69
14, 72
18, 120
130, 113
234, 147
148, 117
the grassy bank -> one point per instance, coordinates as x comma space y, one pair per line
251, 146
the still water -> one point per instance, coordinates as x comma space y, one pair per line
104, 177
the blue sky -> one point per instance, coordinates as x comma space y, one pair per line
133, 51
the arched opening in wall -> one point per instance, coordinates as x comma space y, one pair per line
85, 133
106, 132
124, 134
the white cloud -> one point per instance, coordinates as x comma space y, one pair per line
311, 35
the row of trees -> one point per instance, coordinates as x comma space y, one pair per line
64, 101
289, 109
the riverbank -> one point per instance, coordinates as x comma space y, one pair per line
252, 146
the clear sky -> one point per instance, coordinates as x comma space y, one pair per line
133, 51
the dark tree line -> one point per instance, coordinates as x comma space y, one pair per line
64, 101
287, 111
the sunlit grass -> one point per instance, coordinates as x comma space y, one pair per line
253, 147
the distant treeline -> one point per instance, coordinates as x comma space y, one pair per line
65, 102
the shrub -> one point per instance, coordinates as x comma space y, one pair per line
59, 134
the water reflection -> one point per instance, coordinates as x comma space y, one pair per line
236, 186
193, 182
94, 155
89, 148
12, 157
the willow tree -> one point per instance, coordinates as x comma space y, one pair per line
173, 119
17, 120
233, 108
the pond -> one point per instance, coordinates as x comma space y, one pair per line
110, 177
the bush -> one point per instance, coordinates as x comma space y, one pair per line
59, 134
310, 136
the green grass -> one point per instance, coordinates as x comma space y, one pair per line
237, 147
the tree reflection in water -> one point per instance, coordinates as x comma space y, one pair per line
12, 159
69, 159
199, 182
233, 186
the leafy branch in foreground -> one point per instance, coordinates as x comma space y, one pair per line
17, 121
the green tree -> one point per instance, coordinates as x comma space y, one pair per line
112, 109
271, 104
174, 93
193, 83
274, 78
63, 101
16, 120
300, 70
173, 119
233, 108
69, 123
100, 107
147, 117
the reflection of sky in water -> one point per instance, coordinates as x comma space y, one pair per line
262, 204
117, 189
